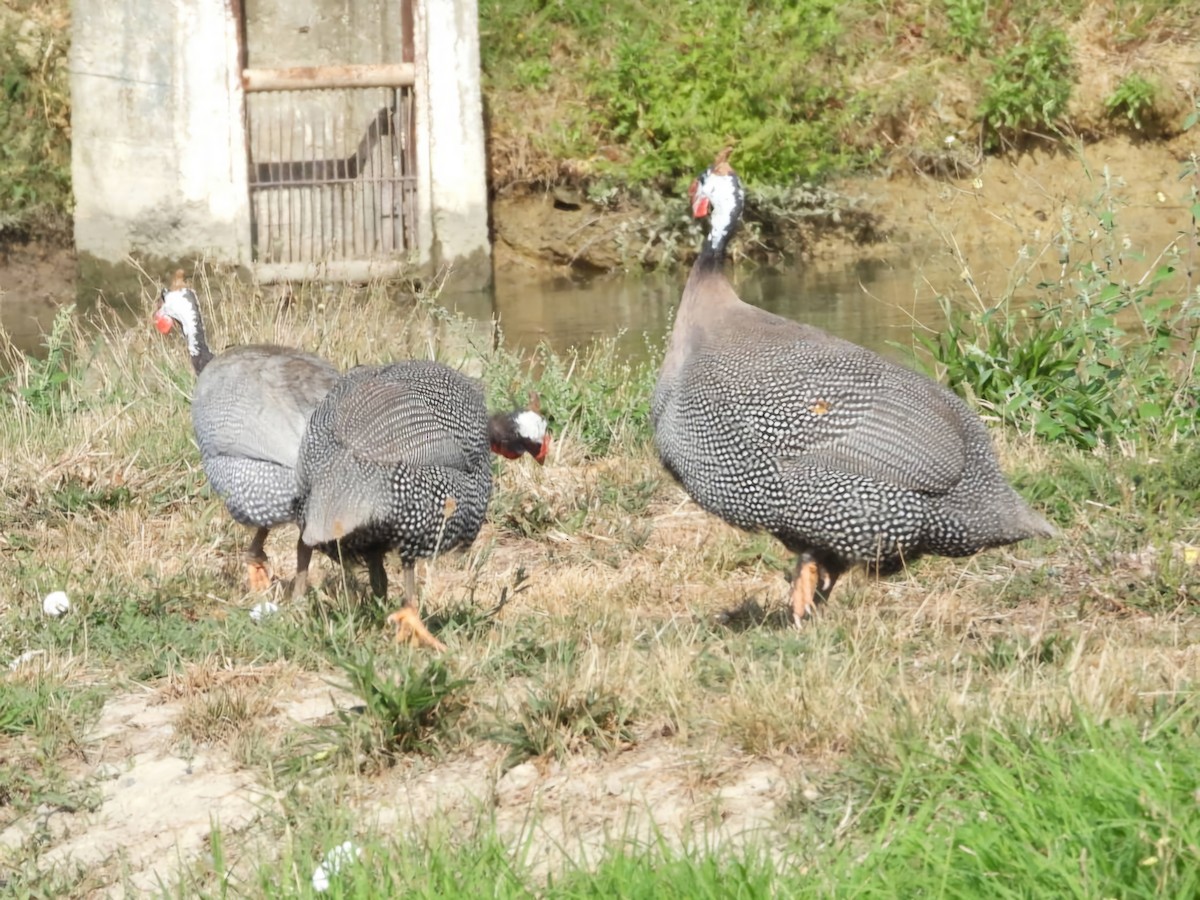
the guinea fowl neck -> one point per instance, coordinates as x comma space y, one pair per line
197, 343
725, 196
712, 251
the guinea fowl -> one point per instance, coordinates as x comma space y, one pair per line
249, 411
845, 457
396, 457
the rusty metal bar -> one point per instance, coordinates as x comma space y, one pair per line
322, 77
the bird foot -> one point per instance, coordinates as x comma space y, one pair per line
409, 627
804, 590
258, 574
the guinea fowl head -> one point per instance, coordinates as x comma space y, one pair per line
178, 304
520, 431
718, 193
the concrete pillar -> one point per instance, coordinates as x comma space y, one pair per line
451, 153
158, 142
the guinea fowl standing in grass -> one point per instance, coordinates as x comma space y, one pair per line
845, 457
396, 457
249, 411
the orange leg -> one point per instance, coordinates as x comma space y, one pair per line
811, 582
407, 620
258, 573
804, 589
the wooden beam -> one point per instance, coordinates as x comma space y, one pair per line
313, 77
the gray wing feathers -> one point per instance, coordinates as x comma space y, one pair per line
910, 447
831, 404
255, 401
334, 509
387, 423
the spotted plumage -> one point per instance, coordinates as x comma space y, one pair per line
398, 457
249, 410
844, 456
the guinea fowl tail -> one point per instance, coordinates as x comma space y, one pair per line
1034, 525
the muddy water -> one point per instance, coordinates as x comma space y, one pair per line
873, 303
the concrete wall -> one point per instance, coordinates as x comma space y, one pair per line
159, 154
158, 159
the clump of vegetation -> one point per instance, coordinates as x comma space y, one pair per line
35, 149
44, 383
1029, 87
1133, 100
406, 706
644, 95
1108, 354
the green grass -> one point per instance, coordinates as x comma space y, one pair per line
1096, 810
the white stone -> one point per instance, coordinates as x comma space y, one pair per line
56, 603
263, 610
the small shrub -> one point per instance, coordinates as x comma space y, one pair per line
967, 25
1132, 100
557, 720
405, 709
35, 147
45, 383
1030, 85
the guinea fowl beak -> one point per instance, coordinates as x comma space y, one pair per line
162, 321
540, 456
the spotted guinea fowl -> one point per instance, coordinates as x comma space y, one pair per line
845, 457
396, 457
249, 410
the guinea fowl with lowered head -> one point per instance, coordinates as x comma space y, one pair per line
844, 456
249, 411
397, 457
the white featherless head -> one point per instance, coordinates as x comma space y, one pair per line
724, 193
530, 425
182, 306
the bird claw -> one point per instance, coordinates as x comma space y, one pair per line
410, 628
258, 574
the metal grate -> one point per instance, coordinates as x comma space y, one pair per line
332, 173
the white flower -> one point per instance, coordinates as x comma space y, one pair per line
56, 603
949, 140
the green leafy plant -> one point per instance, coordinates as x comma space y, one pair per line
558, 720
35, 147
967, 24
1133, 99
406, 706
1030, 85
47, 380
